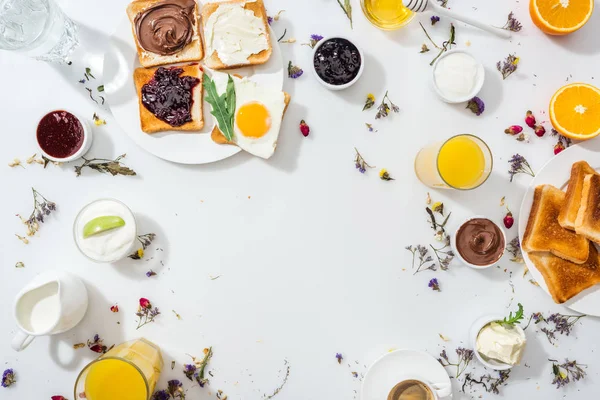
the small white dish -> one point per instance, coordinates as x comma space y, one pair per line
88, 137
457, 253
480, 78
477, 326
400, 365
328, 85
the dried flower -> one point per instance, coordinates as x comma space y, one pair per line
275, 18
78, 346
114, 308
280, 387
519, 165
424, 48
562, 143
530, 119
97, 345
476, 105
145, 241
150, 273
438, 207
384, 175
196, 370
360, 162
347, 8
103, 165
512, 24
434, 285
15, 163
314, 39
514, 248
508, 220
19, 264
369, 127
146, 313
424, 258
508, 66
304, 128
58, 398
558, 148
434, 19
384, 109
339, 357
513, 130
539, 130
98, 121
161, 395
8, 378
294, 72
566, 372
370, 102
465, 356
447, 45
485, 380
175, 389
42, 207
428, 199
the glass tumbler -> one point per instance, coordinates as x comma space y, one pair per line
37, 28
128, 371
386, 14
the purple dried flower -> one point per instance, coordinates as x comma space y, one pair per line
316, 37
150, 273
270, 20
8, 378
519, 165
189, 370
512, 24
476, 105
175, 389
294, 72
434, 19
339, 357
161, 395
355, 374
566, 372
508, 66
434, 285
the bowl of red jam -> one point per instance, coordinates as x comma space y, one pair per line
62, 136
337, 62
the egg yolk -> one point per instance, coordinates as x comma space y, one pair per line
253, 120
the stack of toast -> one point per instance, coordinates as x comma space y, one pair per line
561, 232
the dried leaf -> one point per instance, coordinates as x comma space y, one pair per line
78, 346
444, 338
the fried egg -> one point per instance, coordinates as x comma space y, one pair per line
258, 114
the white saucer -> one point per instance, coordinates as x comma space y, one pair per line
393, 367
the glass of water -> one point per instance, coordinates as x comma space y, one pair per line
37, 28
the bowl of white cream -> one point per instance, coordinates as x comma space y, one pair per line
457, 76
108, 245
497, 345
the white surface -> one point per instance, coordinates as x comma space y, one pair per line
312, 264
557, 173
402, 365
177, 146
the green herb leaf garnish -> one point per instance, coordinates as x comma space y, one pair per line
512, 320
223, 106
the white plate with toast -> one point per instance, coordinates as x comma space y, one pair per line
566, 278
185, 147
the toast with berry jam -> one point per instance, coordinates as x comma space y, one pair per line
170, 98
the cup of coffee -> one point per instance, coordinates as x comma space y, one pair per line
417, 389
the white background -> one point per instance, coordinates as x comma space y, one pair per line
310, 252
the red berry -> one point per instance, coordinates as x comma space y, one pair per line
530, 119
558, 148
509, 220
304, 129
540, 130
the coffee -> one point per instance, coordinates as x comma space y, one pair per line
410, 390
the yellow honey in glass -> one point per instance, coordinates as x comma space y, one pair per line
128, 371
386, 14
462, 162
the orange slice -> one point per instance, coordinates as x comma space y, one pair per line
560, 17
575, 111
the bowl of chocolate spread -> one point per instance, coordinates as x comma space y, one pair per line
479, 242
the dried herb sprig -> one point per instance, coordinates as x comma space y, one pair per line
567, 372
563, 324
488, 382
424, 258
146, 313
369, 102
519, 165
347, 8
447, 45
294, 71
514, 248
384, 108
314, 39
42, 207
512, 24
145, 241
196, 370
103, 165
508, 66
280, 387
434, 285
465, 356
8, 378
360, 163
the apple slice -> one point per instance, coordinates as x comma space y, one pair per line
102, 224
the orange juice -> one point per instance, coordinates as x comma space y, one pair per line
461, 162
111, 379
386, 14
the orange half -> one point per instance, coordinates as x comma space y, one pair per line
575, 111
560, 17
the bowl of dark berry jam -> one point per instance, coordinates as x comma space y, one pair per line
62, 136
337, 62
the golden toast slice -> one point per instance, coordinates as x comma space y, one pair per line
543, 232
212, 59
568, 212
149, 122
564, 278
193, 51
588, 217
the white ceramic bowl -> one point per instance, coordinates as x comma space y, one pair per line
477, 326
330, 86
476, 87
87, 138
456, 252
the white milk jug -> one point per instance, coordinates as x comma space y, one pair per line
52, 303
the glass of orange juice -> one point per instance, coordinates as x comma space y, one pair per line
386, 14
128, 371
462, 162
